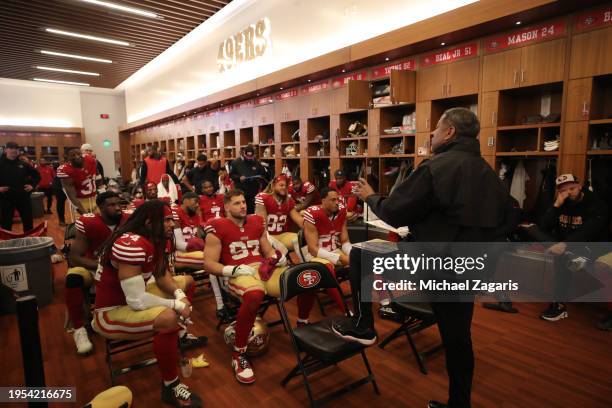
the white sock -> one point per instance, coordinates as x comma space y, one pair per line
303, 321
214, 283
167, 383
385, 302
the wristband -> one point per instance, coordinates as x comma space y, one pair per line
330, 256
179, 294
228, 270
346, 248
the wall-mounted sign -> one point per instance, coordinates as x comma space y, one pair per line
248, 44
286, 95
263, 100
452, 54
314, 88
526, 35
104, 116
385, 71
594, 18
343, 80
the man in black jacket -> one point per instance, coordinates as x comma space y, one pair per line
17, 180
248, 174
454, 197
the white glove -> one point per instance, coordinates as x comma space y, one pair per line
282, 261
238, 270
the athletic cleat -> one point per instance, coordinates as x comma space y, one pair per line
605, 324
556, 311
226, 315
436, 404
81, 340
348, 330
243, 369
190, 341
177, 394
387, 312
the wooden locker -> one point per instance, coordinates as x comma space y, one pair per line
488, 109
575, 137
501, 70
487, 141
591, 53
462, 77
403, 86
578, 99
423, 116
359, 94
431, 83
542, 63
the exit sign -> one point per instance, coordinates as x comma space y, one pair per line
104, 116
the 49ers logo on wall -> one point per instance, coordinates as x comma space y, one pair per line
308, 278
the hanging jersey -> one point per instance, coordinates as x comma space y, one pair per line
95, 230
300, 195
83, 180
212, 207
188, 224
346, 193
278, 212
130, 249
329, 228
239, 245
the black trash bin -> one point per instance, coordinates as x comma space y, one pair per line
25, 268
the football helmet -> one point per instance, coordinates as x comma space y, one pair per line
296, 136
266, 153
351, 149
357, 129
289, 151
257, 344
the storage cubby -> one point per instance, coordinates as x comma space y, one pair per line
229, 138
171, 146
353, 147
355, 168
397, 145
296, 150
550, 139
318, 148
389, 170
246, 136
180, 145
398, 120
214, 140
438, 107
381, 92
215, 154
50, 153
354, 118
517, 141
600, 137
398, 87
266, 151
201, 142
266, 134
530, 105
601, 100
293, 166
229, 153
289, 129
318, 172
317, 127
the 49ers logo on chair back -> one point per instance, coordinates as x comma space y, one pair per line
308, 278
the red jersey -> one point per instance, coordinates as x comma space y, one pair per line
84, 183
46, 176
347, 194
212, 207
239, 245
300, 195
95, 230
90, 164
130, 249
329, 228
188, 224
278, 212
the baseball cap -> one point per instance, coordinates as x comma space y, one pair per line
566, 178
11, 145
339, 173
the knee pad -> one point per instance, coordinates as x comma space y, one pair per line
74, 280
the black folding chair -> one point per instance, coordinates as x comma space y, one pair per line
114, 347
415, 317
320, 347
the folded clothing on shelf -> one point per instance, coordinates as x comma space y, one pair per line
551, 145
382, 100
357, 129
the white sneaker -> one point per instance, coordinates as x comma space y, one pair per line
83, 344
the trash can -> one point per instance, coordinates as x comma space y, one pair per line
37, 204
25, 268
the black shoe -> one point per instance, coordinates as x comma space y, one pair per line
436, 404
226, 315
501, 307
556, 311
190, 341
387, 312
605, 324
348, 330
177, 394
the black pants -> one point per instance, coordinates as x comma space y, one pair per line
22, 204
49, 194
454, 322
250, 202
60, 205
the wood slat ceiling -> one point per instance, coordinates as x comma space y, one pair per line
22, 24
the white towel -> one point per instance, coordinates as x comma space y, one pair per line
519, 181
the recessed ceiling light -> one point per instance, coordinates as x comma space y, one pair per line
281, 88
387, 59
69, 71
344, 70
256, 94
132, 10
60, 82
81, 57
442, 43
518, 23
87, 37
309, 80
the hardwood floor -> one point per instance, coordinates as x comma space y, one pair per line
521, 361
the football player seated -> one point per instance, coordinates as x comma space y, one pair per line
91, 231
150, 194
188, 234
276, 207
346, 191
304, 193
237, 248
132, 305
211, 203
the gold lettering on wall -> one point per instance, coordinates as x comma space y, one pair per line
250, 43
